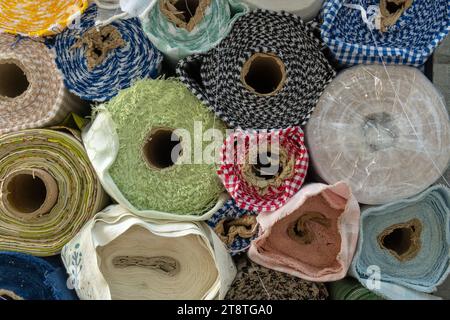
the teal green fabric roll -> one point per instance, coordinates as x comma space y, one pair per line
206, 25
350, 289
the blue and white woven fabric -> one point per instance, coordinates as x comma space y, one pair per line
136, 59
230, 212
403, 248
348, 30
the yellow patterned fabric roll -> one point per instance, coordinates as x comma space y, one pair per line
39, 18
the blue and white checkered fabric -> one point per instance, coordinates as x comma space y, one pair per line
231, 211
411, 41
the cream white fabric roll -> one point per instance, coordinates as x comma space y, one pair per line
306, 9
120, 256
384, 130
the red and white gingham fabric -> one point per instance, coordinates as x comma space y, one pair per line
232, 160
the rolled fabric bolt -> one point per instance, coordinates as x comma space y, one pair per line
120, 256
98, 62
387, 31
39, 18
254, 282
313, 236
48, 190
385, 131
234, 226
403, 246
32, 92
268, 73
24, 277
350, 289
180, 28
306, 9
112, 10
262, 170
140, 146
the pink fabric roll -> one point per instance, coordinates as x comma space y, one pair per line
313, 236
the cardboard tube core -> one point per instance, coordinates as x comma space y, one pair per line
13, 80
264, 74
267, 165
402, 240
158, 150
184, 13
30, 193
9, 295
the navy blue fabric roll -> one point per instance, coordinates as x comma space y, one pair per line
122, 54
26, 277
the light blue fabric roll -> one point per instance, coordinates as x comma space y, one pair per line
423, 268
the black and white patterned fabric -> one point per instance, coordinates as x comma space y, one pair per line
215, 77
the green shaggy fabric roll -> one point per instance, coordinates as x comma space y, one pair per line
145, 116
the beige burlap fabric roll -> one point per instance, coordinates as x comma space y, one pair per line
32, 91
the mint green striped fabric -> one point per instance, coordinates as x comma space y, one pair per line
177, 43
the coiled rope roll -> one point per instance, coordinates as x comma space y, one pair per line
403, 247
180, 28
268, 73
24, 277
48, 190
384, 130
96, 64
39, 18
306, 9
120, 256
147, 146
263, 169
32, 92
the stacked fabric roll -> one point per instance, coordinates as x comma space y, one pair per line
155, 155
183, 27
236, 227
32, 91
98, 62
384, 31
313, 236
403, 247
254, 282
306, 9
268, 73
24, 277
120, 256
262, 170
350, 289
39, 18
374, 126
48, 190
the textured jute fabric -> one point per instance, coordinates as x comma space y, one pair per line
268, 73
403, 246
313, 236
24, 277
129, 144
120, 256
126, 56
32, 92
262, 170
254, 282
305, 9
39, 18
410, 40
213, 21
48, 190
384, 130
236, 227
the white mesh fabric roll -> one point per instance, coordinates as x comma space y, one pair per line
385, 130
306, 9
